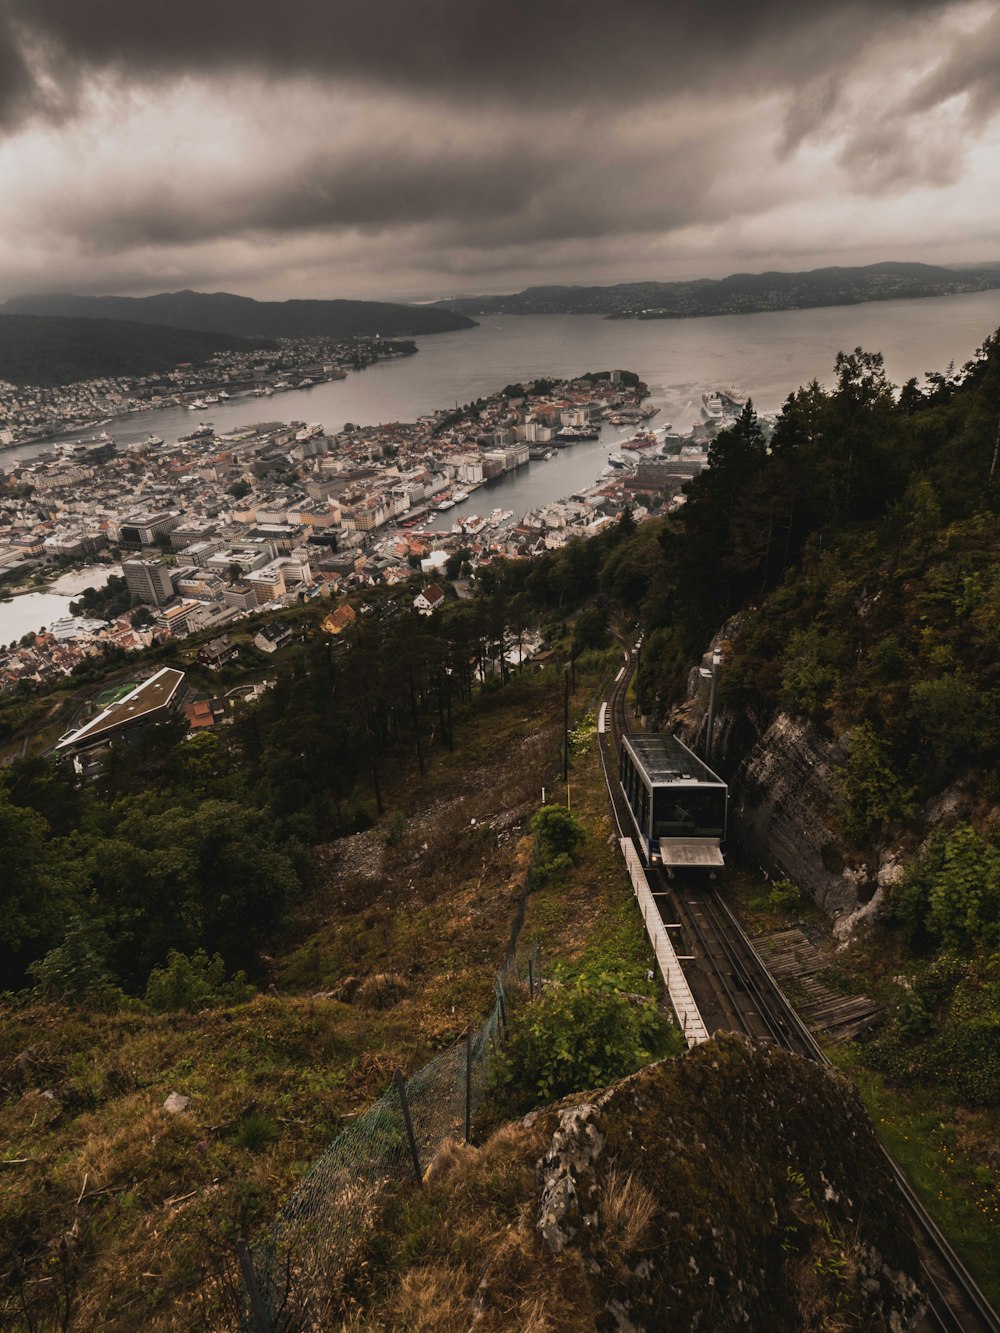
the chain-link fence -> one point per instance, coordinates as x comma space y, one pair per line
293, 1274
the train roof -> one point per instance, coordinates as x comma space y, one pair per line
666, 760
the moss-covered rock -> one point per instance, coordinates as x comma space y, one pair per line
734, 1187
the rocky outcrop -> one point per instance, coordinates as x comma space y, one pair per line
781, 773
734, 1187
781, 793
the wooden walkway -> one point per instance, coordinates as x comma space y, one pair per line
789, 954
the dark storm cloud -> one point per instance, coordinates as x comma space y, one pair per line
972, 68
545, 50
485, 184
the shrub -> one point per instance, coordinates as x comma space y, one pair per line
951, 896
784, 897
581, 1035
254, 1132
75, 971
560, 837
194, 983
870, 794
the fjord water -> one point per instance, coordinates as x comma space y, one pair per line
768, 355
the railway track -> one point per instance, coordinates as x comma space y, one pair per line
735, 991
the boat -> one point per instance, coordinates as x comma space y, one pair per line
197, 404
205, 429
618, 462
642, 440
459, 496
712, 404
309, 432
223, 396
445, 505
154, 439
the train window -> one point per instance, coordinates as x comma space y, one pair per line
689, 812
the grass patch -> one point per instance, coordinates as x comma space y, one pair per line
923, 1136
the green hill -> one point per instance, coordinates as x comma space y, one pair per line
46, 350
740, 293
222, 312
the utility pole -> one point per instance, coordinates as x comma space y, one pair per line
638, 664
716, 659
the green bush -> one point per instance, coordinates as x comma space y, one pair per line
951, 896
784, 897
194, 983
254, 1132
75, 971
581, 1035
559, 839
870, 794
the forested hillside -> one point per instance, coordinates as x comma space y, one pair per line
739, 293
47, 350
851, 556
223, 312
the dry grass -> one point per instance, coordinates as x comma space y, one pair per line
626, 1211
151, 1203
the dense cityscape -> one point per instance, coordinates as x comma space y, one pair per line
212, 527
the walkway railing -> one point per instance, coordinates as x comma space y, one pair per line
688, 1015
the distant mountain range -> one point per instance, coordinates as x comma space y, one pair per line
46, 350
740, 293
221, 312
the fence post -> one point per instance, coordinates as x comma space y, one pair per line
401, 1089
258, 1311
538, 957
468, 1083
531, 979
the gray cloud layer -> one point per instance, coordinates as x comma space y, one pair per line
393, 147
550, 51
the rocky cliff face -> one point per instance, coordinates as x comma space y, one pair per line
781, 796
733, 1187
781, 773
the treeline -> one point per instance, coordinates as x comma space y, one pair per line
204, 843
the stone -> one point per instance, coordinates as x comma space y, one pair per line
176, 1104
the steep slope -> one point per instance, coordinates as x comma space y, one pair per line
728, 1188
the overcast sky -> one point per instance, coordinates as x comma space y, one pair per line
418, 148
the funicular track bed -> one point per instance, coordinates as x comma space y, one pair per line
735, 990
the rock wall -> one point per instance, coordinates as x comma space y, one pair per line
780, 771
781, 796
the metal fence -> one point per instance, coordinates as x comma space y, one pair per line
293, 1274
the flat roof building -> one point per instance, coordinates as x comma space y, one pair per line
149, 703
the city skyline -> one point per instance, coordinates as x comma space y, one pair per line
303, 151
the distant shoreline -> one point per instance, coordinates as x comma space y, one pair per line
738, 294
